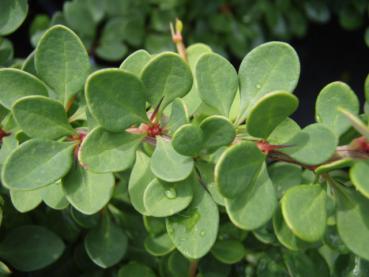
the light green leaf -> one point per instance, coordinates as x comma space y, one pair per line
359, 177
269, 67
37, 163
135, 62
304, 210
53, 196
167, 164
178, 115
285, 130
116, 99
228, 251
12, 15
86, 191
62, 61
15, 84
237, 168
41, 117
269, 111
25, 200
187, 140
160, 245
103, 151
284, 176
217, 82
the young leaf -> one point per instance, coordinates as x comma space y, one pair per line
194, 230
304, 210
255, 205
25, 200
269, 111
269, 67
167, 164
116, 99
163, 199
237, 168
41, 117
135, 62
159, 246
331, 97
62, 61
86, 191
15, 84
53, 196
228, 251
46, 247
12, 15
103, 151
37, 163
106, 244
359, 177
166, 77
217, 82
187, 140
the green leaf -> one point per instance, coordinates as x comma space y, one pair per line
167, 164
269, 111
37, 163
166, 77
106, 244
154, 226
103, 151
159, 246
285, 130
269, 67
217, 82
254, 206
88, 192
178, 115
12, 15
284, 176
331, 97
237, 168
135, 62
62, 61
359, 177
313, 145
79, 18
194, 230
37, 248
140, 178
25, 200
116, 99
41, 117
53, 196
304, 210
217, 131
135, 269
178, 265
228, 251
163, 199
15, 84
187, 140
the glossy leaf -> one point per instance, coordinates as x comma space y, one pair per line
228, 251
187, 140
160, 245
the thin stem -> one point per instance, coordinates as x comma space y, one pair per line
193, 268
178, 39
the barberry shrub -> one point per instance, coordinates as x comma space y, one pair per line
177, 165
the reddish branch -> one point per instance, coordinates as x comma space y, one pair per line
3, 134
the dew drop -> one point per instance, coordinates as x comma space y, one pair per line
258, 86
171, 193
202, 233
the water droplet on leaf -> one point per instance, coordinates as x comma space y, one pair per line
258, 86
202, 233
171, 193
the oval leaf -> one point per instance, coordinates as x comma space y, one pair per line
187, 140
135, 62
359, 177
228, 251
25, 200
12, 15
159, 246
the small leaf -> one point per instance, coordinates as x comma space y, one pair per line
359, 177
304, 210
25, 200
331, 97
53, 196
135, 62
217, 82
62, 61
228, 251
237, 168
285, 130
269, 111
178, 115
12, 14
135, 269
46, 247
103, 151
41, 117
284, 176
159, 246
37, 163
15, 84
166, 77
167, 164
86, 191
187, 140
116, 99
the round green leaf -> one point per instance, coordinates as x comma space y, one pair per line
106, 244
178, 265
187, 140
237, 168
313, 145
167, 164
160, 245
255, 205
284, 176
154, 225
31, 247
217, 131
194, 230
15, 84
25, 200
53, 196
269, 111
228, 251
62, 61
178, 115
217, 82
359, 177
304, 210
166, 77
269, 67
163, 199
116, 99
285, 130
37, 163
331, 97
12, 15
88, 192
135, 269
41, 117
103, 151
135, 62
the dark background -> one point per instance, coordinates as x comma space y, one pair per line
327, 53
